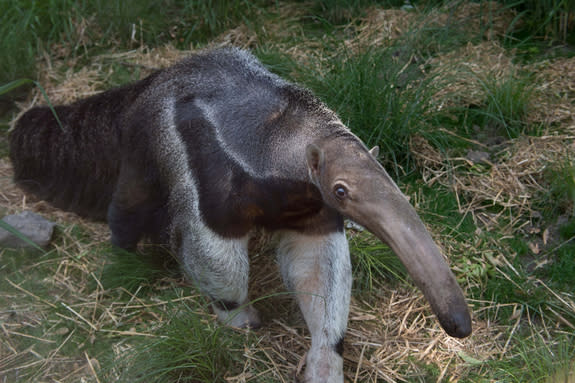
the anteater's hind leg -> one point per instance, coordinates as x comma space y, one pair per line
317, 268
220, 268
134, 207
127, 224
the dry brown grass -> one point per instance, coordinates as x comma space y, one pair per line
489, 17
458, 74
381, 27
515, 170
512, 181
555, 93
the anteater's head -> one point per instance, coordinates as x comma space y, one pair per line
353, 182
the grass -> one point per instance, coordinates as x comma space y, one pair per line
345, 11
505, 106
217, 16
380, 95
538, 360
428, 85
547, 19
25, 319
185, 349
70, 29
134, 271
374, 263
560, 190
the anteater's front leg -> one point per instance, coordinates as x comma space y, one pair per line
317, 268
220, 268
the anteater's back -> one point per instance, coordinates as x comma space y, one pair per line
223, 98
74, 165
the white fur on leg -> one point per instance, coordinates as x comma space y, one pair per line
220, 268
323, 365
318, 269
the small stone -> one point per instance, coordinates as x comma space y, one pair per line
478, 156
33, 226
62, 331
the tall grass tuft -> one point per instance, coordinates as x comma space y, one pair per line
374, 263
187, 349
201, 20
560, 191
344, 11
549, 19
136, 271
505, 106
538, 360
130, 21
381, 95
75, 28
18, 44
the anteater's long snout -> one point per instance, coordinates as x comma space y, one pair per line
360, 188
395, 222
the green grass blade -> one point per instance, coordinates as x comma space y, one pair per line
18, 83
11, 229
6, 88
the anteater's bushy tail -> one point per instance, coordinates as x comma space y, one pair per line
72, 163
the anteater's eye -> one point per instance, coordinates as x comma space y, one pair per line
340, 191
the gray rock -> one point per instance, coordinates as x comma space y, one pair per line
478, 157
35, 227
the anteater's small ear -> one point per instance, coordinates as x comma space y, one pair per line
374, 151
314, 157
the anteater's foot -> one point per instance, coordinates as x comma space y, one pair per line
242, 317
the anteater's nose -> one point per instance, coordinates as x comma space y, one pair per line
457, 323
